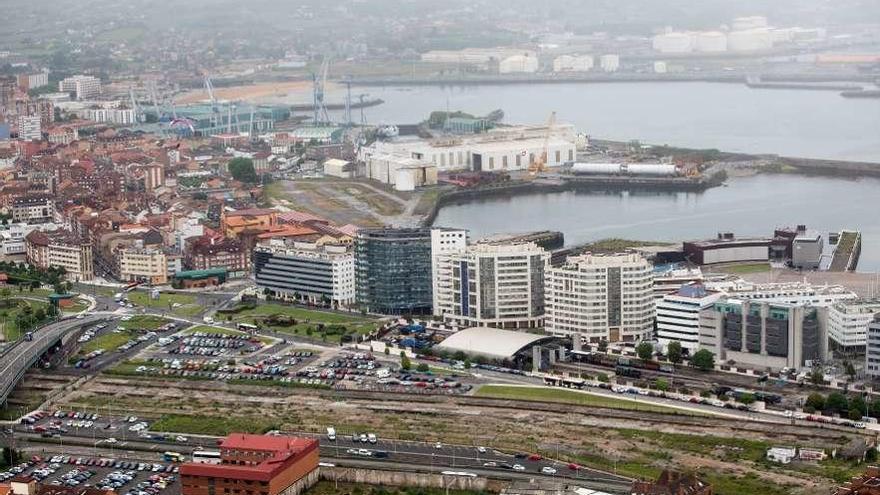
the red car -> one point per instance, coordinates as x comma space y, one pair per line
535, 457
574, 467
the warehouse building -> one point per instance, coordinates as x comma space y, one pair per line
255, 465
497, 150
807, 250
493, 343
400, 171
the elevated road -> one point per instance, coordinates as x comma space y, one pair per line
21, 356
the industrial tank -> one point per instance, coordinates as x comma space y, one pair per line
652, 169
596, 168
673, 43
750, 40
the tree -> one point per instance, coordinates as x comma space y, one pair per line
850, 370
673, 352
837, 403
645, 351
242, 169
467, 364
817, 377
387, 350
422, 367
603, 345
661, 385
747, 399
405, 363
703, 360
5, 293
39, 314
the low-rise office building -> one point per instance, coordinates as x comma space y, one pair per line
255, 465
33, 208
678, 316
872, 349
304, 271
848, 324
764, 334
601, 298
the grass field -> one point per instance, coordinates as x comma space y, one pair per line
569, 397
745, 269
144, 322
307, 321
211, 425
223, 331
166, 301
330, 488
109, 341
8, 314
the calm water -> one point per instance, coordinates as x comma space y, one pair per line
730, 117
751, 206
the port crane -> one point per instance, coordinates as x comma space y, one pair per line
540, 165
319, 83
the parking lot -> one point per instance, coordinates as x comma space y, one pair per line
126, 477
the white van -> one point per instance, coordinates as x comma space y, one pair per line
331, 433
208, 320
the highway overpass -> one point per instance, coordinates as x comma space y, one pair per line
19, 357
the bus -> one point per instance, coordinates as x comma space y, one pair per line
173, 457
247, 327
132, 286
206, 457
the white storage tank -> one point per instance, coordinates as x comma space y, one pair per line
651, 169
673, 43
711, 42
596, 168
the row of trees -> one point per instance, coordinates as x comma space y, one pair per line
703, 360
23, 273
838, 403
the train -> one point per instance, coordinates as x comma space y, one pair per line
600, 359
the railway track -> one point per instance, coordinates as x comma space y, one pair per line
800, 430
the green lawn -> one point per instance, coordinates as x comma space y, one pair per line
188, 304
224, 331
307, 321
745, 269
79, 305
144, 322
547, 394
109, 342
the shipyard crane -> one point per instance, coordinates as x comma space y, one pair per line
319, 83
215, 110
540, 165
138, 113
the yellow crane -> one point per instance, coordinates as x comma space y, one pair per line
540, 165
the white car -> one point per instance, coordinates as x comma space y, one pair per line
438, 445
519, 467
110, 440
548, 470
365, 453
481, 450
181, 439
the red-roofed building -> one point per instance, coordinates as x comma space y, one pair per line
255, 465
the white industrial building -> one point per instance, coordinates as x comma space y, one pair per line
788, 292
750, 40
573, 63
609, 62
473, 56
493, 284
678, 315
84, 87
601, 297
673, 42
399, 170
334, 167
506, 149
848, 324
519, 63
120, 116
710, 42
641, 169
